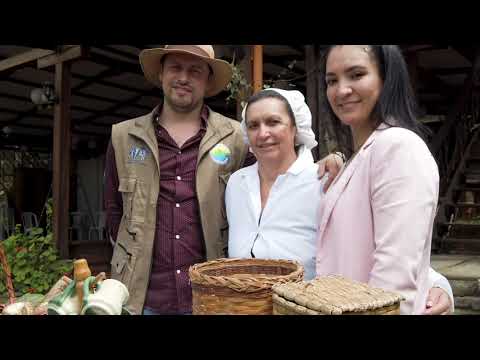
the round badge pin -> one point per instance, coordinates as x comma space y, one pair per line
220, 154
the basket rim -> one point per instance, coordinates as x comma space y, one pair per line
244, 282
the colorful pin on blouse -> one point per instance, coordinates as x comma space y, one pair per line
220, 154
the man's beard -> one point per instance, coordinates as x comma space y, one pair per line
180, 106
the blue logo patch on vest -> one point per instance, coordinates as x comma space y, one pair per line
137, 154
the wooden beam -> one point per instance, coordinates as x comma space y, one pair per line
116, 51
245, 66
33, 110
73, 107
476, 69
257, 68
14, 62
98, 79
299, 48
412, 65
112, 109
468, 52
312, 98
61, 158
122, 66
466, 70
71, 53
20, 113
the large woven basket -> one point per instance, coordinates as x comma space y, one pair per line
239, 286
333, 295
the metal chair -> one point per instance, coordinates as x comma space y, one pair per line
29, 221
100, 227
77, 225
11, 221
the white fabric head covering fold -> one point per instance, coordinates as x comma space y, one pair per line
303, 118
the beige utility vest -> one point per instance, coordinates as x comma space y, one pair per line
136, 154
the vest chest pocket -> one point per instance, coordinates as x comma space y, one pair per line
134, 195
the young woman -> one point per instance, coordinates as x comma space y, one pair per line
376, 220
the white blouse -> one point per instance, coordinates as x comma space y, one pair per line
286, 229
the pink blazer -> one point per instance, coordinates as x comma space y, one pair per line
376, 219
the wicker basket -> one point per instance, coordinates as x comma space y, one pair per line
333, 295
239, 286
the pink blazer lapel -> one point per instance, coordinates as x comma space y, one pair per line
339, 185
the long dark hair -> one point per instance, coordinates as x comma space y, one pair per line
396, 105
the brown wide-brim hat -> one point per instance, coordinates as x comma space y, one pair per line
150, 60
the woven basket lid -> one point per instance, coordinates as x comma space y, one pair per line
335, 295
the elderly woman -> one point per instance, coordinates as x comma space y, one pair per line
272, 205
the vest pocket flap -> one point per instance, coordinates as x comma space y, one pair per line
225, 177
119, 258
127, 185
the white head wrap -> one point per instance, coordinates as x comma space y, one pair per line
303, 118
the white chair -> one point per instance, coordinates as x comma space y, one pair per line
11, 221
3, 225
99, 228
76, 225
7, 222
3, 222
29, 221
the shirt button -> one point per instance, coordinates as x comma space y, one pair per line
179, 153
177, 205
177, 237
179, 178
178, 271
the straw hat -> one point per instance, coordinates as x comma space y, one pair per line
150, 60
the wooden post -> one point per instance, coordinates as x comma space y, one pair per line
412, 64
246, 67
476, 69
61, 157
312, 98
257, 68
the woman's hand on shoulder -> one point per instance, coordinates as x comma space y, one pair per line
330, 164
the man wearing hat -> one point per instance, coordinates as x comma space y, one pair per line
165, 180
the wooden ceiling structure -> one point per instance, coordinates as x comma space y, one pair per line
107, 85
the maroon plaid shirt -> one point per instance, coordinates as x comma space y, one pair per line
178, 242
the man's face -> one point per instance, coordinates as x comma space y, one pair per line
185, 79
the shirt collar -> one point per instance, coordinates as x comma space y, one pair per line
204, 114
304, 160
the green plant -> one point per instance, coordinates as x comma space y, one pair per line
238, 87
34, 261
49, 212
